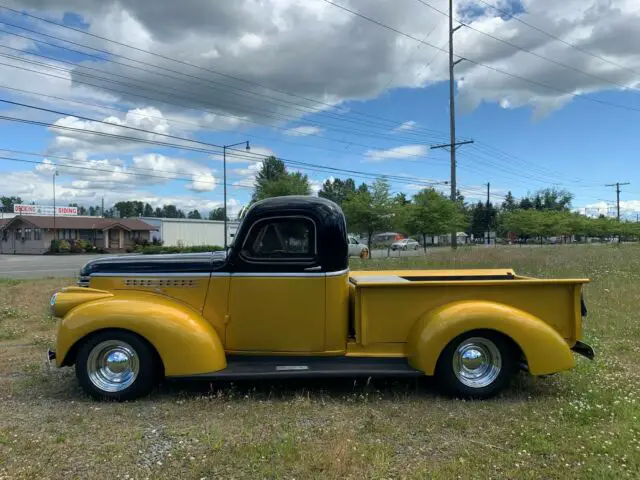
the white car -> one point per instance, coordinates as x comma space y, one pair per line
357, 249
405, 244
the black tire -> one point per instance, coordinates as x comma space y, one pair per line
404, 248
147, 365
490, 342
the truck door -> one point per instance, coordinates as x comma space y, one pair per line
277, 295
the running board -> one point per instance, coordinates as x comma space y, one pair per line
240, 367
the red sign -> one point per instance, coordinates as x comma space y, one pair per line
25, 209
66, 211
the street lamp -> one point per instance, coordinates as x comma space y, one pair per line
224, 179
55, 232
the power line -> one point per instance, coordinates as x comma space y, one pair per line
617, 185
197, 100
550, 35
488, 67
247, 156
394, 123
513, 45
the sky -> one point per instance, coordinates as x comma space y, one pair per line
131, 100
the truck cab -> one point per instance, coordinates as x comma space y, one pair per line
282, 302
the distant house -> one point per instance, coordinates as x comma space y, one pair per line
33, 234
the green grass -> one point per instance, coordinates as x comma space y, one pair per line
580, 424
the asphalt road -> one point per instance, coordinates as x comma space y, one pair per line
40, 266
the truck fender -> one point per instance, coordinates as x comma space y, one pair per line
544, 349
186, 343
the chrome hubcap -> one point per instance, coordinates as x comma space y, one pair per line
477, 362
113, 366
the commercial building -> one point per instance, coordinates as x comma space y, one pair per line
32, 234
190, 232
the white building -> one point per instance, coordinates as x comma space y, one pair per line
190, 232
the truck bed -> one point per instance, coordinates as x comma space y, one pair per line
386, 304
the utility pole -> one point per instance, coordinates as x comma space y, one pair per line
224, 179
55, 231
102, 211
617, 185
488, 213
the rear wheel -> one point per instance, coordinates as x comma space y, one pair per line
476, 364
118, 365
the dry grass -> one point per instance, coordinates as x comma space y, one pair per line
580, 424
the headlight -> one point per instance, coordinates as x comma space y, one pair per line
52, 303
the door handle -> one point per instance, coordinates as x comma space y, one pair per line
313, 269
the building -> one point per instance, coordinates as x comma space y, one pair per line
33, 234
190, 232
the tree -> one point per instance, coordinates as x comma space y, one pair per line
481, 218
369, 212
217, 214
337, 190
158, 212
194, 214
171, 211
9, 202
147, 211
431, 214
509, 203
273, 180
81, 210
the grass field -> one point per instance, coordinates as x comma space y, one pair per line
579, 424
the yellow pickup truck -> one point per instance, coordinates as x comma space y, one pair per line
283, 303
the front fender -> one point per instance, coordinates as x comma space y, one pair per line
545, 350
186, 342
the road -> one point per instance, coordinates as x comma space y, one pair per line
40, 266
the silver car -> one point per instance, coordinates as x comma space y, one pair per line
405, 244
357, 249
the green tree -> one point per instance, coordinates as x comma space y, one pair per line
147, 211
369, 210
217, 214
338, 190
9, 202
481, 218
158, 212
273, 180
194, 214
81, 209
431, 214
509, 203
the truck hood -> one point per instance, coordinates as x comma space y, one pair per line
152, 264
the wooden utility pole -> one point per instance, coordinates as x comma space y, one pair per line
617, 185
488, 213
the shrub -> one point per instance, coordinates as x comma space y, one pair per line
64, 246
55, 246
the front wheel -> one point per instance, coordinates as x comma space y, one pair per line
476, 365
118, 365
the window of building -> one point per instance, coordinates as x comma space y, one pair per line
281, 238
27, 234
37, 234
5, 235
18, 233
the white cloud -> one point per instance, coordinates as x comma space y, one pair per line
406, 126
405, 151
303, 131
627, 208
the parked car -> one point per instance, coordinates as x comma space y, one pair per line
282, 303
357, 249
405, 244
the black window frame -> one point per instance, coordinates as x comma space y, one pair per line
297, 261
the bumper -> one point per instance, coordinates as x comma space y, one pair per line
584, 350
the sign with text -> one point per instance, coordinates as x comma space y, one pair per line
43, 210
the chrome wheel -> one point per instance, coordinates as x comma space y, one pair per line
477, 362
113, 366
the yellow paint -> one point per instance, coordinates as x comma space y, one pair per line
545, 350
186, 343
276, 314
193, 323
337, 316
173, 287
216, 305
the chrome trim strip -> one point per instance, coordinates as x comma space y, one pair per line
338, 273
278, 274
153, 274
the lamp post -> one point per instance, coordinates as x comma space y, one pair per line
224, 179
55, 231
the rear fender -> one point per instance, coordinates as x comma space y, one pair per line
186, 342
545, 350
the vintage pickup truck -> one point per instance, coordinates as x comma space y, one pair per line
283, 303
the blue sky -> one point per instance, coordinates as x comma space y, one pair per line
358, 97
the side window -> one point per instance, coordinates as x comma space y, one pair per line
292, 238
